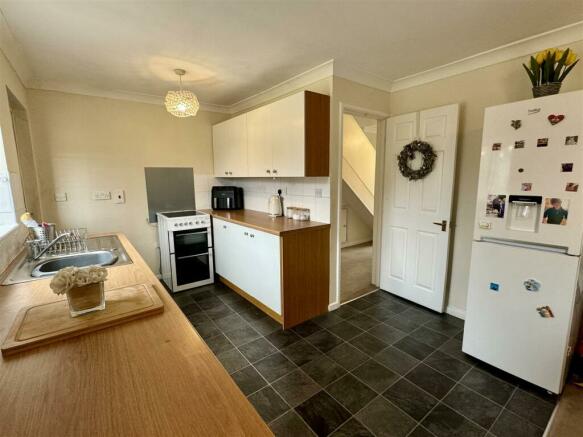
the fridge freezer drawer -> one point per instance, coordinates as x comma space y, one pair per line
508, 324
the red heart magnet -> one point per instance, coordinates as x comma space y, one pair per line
554, 119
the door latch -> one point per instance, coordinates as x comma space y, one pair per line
443, 225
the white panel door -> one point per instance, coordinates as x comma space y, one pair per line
288, 136
260, 143
417, 214
230, 147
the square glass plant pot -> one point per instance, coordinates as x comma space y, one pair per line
86, 299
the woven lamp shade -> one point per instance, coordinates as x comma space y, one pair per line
181, 103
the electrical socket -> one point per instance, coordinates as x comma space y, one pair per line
119, 196
101, 195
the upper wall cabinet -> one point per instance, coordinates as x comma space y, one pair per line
287, 138
230, 147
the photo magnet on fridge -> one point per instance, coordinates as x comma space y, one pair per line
555, 118
496, 146
572, 141
572, 186
519, 144
516, 124
556, 211
496, 205
566, 167
526, 186
542, 142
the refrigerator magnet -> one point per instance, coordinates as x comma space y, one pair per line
566, 167
519, 144
555, 118
572, 141
526, 186
516, 124
572, 187
496, 205
545, 312
556, 211
496, 146
542, 142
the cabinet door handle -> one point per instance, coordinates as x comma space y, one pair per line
224, 227
245, 233
274, 171
227, 172
268, 171
252, 235
230, 172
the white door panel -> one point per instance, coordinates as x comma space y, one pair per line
288, 136
415, 249
259, 139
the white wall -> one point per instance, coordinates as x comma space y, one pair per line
493, 85
85, 143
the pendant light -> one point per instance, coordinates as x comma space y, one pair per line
182, 103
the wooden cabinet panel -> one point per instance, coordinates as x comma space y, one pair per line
230, 147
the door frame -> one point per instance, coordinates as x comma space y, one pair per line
381, 117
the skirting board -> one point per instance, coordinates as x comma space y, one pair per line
456, 312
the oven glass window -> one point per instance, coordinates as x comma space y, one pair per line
191, 242
192, 269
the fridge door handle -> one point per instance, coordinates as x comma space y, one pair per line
443, 225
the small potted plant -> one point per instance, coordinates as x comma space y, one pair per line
83, 286
548, 69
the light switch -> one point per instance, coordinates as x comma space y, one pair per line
119, 196
61, 196
101, 195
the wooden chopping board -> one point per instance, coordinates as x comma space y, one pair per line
38, 325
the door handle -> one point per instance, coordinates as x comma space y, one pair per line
443, 225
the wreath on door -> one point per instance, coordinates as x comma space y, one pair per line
408, 154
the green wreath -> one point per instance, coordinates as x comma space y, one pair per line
408, 154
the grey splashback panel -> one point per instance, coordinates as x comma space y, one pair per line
169, 189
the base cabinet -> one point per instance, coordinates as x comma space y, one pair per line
286, 276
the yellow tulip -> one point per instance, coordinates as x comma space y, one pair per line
540, 57
572, 57
559, 55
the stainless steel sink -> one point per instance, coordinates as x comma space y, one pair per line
104, 251
52, 266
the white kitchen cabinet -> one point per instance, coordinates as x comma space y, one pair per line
286, 138
230, 147
249, 259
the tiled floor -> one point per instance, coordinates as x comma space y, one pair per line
376, 366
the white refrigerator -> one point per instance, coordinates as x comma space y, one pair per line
525, 286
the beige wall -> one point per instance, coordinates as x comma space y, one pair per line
11, 244
87, 143
476, 90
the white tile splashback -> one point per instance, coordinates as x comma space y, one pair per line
304, 193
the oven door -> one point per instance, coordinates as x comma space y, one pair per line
191, 271
190, 242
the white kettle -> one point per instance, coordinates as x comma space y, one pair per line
275, 205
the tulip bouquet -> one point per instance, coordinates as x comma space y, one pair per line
548, 69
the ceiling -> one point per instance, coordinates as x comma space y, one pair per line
235, 49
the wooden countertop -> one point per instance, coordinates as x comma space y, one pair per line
150, 377
263, 222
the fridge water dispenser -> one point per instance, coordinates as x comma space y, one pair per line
524, 212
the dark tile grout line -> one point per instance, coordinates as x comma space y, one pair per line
516, 387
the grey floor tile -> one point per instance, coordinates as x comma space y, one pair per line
360, 304
448, 365
206, 329
208, 302
345, 330
352, 428
301, 352
347, 356
230, 322
488, 386
323, 370
290, 425
429, 337
265, 325
281, 338
351, 393
380, 312
322, 413
375, 375
252, 313
396, 360
324, 340
307, 328
296, 387
445, 422
197, 318
384, 419
414, 348
410, 398
401, 322
191, 308
420, 316
445, 327
328, 319
453, 347
369, 344
274, 366
531, 408
241, 336
346, 312
363, 321
268, 403
219, 344
219, 311
257, 349
473, 406
386, 333
511, 425
248, 380
232, 360
420, 432
430, 380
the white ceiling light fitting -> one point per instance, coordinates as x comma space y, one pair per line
181, 103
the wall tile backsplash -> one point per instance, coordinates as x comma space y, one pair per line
312, 193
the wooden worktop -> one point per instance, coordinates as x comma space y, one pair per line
263, 222
150, 377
